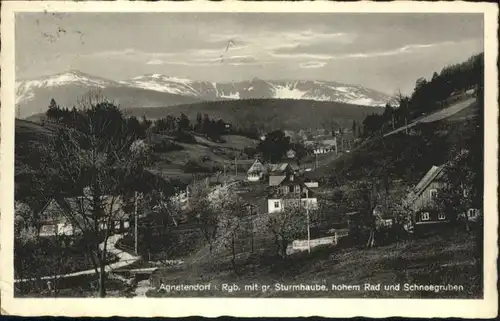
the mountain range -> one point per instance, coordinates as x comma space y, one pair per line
155, 90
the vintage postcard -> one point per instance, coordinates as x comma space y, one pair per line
249, 159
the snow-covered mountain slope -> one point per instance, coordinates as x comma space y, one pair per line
33, 96
156, 90
258, 88
25, 90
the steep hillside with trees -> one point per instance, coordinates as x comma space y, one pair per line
439, 91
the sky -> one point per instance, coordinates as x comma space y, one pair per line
381, 51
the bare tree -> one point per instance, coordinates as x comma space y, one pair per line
95, 159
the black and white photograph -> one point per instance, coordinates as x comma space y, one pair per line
209, 154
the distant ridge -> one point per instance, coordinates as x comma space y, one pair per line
33, 95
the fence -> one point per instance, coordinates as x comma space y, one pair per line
303, 245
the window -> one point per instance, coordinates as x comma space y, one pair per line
433, 194
276, 204
472, 212
466, 193
297, 189
425, 216
441, 216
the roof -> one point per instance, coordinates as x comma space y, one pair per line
286, 180
274, 192
309, 142
329, 142
427, 179
278, 167
55, 209
256, 167
275, 180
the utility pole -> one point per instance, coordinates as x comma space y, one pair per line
308, 223
135, 225
406, 117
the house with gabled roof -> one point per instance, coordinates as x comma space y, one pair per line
423, 198
290, 191
66, 216
278, 173
256, 172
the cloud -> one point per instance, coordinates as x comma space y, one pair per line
155, 62
358, 55
313, 64
308, 49
264, 44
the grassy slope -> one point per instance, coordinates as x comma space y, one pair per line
268, 114
447, 258
170, 164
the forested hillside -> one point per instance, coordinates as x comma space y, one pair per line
444, 88
268, 114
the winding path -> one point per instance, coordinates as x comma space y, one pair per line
124, 259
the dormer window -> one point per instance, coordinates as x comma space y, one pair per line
425, 216
441, 216
291, 178
433, 194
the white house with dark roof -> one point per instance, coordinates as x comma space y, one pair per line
256, 172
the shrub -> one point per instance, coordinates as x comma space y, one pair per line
185, 138
166, 146
194, 167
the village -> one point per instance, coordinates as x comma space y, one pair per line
263, 190
228, 167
